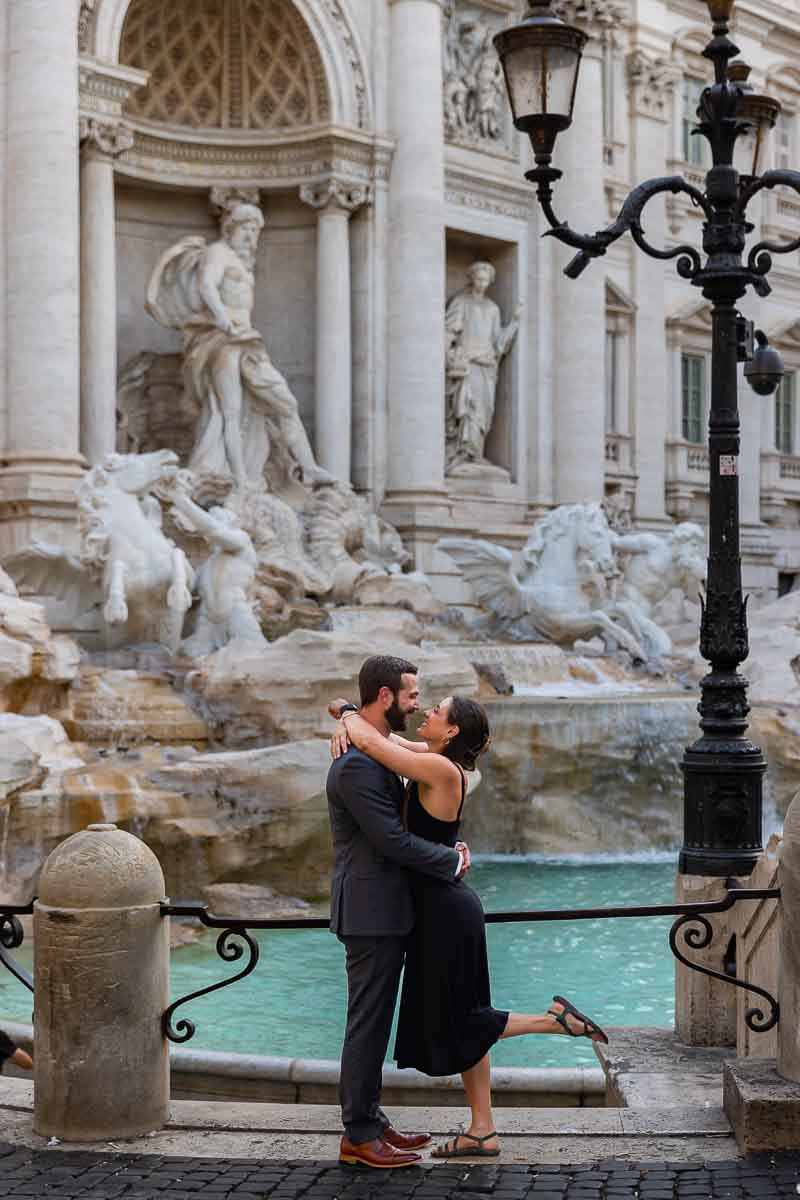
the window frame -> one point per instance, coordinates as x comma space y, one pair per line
694, 147
785, 432
700, 419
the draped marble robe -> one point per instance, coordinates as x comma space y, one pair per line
477, 340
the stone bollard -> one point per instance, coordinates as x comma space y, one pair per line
789, 946
101, 972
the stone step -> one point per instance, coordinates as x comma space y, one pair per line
287, 1131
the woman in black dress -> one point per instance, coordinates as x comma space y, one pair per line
447, 1024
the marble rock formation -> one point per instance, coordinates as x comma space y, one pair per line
280, 693
256, 817
125, 708
36, 666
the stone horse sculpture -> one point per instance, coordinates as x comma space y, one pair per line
128, 574
654, 566
562, 590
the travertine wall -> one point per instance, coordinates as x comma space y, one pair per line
379, 90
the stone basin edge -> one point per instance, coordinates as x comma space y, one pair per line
220, 1075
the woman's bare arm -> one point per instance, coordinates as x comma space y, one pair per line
423, 768
417, 747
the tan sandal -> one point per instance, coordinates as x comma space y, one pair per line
452, 1149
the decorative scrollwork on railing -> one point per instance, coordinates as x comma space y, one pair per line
229, 950
12, 935
698, 933
233, 927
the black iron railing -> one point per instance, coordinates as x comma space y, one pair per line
12, 935
235, 940
692, 921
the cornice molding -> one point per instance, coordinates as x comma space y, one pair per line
497, 196
288, 162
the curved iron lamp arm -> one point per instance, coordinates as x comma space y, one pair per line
698, 939
12, 935
759, 259
594, 245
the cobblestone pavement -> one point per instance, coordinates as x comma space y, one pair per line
91, 1176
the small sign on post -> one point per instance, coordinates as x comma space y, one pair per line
728, 464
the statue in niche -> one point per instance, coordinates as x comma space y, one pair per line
249, 419
473, 84
225, 582
476, 342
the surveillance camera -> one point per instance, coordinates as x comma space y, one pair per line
764, 371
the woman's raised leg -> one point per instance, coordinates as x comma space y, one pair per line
524, 1023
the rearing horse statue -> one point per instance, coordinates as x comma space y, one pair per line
128, 575
561, 592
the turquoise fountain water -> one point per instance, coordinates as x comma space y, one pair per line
618, 971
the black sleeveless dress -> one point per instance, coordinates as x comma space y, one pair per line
447, 1023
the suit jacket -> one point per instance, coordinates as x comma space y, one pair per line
370, 892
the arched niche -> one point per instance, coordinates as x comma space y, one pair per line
329, 27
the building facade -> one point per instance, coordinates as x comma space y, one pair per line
375, 136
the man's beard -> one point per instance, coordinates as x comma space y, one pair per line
395, 718
246, 254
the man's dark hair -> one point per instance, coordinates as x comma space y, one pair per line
383, 670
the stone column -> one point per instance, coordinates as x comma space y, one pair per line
101, 142
416, 269
41, 458
335, 202
652, 81
578, 401
789, 946
101, 973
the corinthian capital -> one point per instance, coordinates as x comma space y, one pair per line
108, 138
595, 16
335, 194
652, 80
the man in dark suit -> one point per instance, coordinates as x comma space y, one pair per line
372, 909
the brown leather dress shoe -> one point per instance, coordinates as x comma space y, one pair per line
405, 1141
376, 1153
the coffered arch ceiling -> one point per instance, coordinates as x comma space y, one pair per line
225, 64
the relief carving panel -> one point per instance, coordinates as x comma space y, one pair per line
475, 111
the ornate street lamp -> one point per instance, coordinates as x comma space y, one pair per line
723, 770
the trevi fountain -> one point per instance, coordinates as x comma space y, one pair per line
171, 674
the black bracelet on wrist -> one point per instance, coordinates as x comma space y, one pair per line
346, 708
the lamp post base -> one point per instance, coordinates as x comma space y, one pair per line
722, 808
